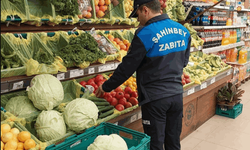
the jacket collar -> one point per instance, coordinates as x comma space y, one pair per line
157, 18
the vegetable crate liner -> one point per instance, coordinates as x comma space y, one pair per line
21, 128
16, 8
15, 63
135, 140
72, 90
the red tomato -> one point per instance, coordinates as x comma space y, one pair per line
114, 101
98, 78
134, 94
113, 93
128, 90
119, 95
133, 101
127, 96
100, 83
187, 80
119, 107
90, 81
122, 101
83, 83
183, 82
109, 100
107, 96
118, 89
128, 104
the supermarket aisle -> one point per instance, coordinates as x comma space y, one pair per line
221, 133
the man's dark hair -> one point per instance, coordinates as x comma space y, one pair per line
154, 5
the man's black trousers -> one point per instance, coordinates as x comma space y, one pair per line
162, 121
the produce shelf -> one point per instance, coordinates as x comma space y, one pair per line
21, 82
236, 63
218, 27
195, 88
222, 48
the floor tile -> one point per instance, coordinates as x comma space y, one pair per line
238, 124
217, 120
204, 145
189, 143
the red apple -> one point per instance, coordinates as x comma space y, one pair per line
119, 95
128, 104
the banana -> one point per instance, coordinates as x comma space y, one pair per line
214, 63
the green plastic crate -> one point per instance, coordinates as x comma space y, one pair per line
138, 140
231, 113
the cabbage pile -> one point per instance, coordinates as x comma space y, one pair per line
108, 142
80, 114
45, 91
50, 125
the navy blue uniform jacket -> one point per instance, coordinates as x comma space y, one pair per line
158, 53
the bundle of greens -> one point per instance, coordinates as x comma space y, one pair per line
82, 48
9, 60
66, 7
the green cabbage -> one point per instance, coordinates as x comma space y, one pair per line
22, 107
50, 125
45, 91
111, 142
80, 114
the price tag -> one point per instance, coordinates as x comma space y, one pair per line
212, 80
133, 118
191, 91
76, 73
91, 70
229, 72
116, 64
60, 76
191, 49
18, 85
204, 85
106, 67
139, 115
191, 63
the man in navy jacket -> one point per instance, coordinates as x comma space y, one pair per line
158, 53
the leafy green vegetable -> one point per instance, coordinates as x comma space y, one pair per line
66, 7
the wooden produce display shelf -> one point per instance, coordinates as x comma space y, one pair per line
23, 28
198, 107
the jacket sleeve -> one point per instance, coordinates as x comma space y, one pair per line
187, 53
128, 66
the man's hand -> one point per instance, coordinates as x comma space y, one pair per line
99, 92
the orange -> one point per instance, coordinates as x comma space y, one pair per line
23, 136
125, 42
123, 47
96, 2
15, 131
107, 2
30, 143
101, 2
114, 42
80, 16
134, 83
89, 15
118, 47
7, 137
100, 14
15, 138
10, 145
20, 145
110, 37
117, 40
5, 128
103, 8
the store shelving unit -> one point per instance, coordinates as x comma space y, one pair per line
223, 47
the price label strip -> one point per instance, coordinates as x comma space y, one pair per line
60, 76
76, 73
91, 70
106, 67
18, 85
203, 85
191, 91
212, 80
133, 118
229, 72
116, 64
139, 115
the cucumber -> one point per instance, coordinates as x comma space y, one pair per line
103, 115
106, 108
99, 107
101, 103
96, 99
